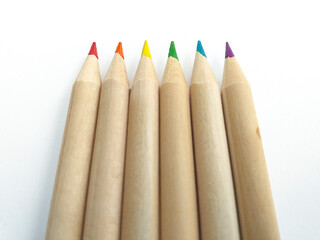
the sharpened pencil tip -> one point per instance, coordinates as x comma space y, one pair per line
145, 50
172, 51
200, 49
120, 49
229, 52
93, 50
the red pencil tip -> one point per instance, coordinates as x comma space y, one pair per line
93, 50
119, 49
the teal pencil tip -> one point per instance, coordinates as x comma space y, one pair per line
172, 51
200, 49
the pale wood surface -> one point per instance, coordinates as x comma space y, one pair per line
140, 218
179, 217
70, 190
253, 192
218, 213
103, 212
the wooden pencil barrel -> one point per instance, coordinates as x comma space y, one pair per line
179, 218
140, 214
254, 197
70, 191
103, 212
218, 212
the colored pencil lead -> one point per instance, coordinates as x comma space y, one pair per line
229, 52
93, 50
119, 49
200, 49
172, 51
145, 50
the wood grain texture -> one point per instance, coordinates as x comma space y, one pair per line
179, 217
103, 212
140, 217
70, 190
253, 192
218, 213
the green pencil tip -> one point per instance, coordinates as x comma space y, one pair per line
172, 51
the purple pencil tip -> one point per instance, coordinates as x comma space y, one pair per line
229, 52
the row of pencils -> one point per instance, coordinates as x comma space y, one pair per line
141, 164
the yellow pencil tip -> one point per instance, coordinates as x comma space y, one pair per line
145, 50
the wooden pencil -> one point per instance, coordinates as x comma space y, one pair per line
179, 217
140, 218
217, 205
253, 192
70, 190
103, 212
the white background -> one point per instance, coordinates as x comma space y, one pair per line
44, 43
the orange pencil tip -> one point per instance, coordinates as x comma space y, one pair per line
93, 50
119, 49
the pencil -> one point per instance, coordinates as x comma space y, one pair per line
70, 190
253, 192
179, 217
103, 212
217, 205
140, 218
